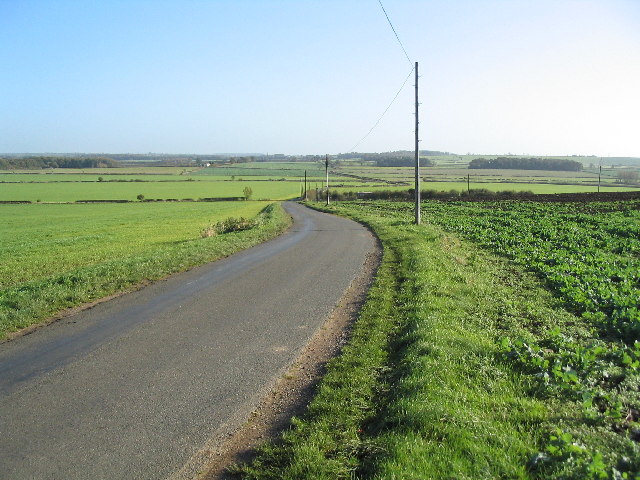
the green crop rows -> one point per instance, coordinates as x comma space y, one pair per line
589, 255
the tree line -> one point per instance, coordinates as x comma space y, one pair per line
527, 164
35, 163
403, 162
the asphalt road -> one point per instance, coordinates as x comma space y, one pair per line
134, 387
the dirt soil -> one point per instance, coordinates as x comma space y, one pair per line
294, 390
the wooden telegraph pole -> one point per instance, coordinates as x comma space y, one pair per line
326, 168
417, 155
599, 174
305, 186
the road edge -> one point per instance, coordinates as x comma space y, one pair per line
292, 391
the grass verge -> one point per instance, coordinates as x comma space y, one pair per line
422, 389
31, 302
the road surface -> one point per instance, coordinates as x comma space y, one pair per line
134, 387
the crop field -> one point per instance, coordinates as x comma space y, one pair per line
267, 169
78, 191
589, 256
500, 340
91, 177
280, 180
106, 171
59, 256
446, 178
492, 187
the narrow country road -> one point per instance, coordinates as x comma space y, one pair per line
134, 387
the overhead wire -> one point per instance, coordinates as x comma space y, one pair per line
395, 33
403, 83
383, 113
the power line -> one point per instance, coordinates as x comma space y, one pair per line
396, 34
383, 113
403, 83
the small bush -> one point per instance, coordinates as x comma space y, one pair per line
228, 225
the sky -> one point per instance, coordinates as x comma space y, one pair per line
534, 77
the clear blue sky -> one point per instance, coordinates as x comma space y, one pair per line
497, 76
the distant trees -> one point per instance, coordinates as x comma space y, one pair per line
401, 158
35, 163
628, 176
403, 162
527, 164
248, 192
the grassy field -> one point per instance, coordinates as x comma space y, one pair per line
92, 177
443, 178
75, 191
58, 256
280, 180
141, 170
465, 365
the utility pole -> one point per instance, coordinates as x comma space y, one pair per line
599, 174
305, 185
417, 155
326, 168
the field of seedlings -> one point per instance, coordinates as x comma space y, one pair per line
589, 256
499, 341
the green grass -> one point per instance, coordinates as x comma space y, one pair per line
587, 254
58, 256
92, 177
71, 192
422, 389
106, 171
464, 365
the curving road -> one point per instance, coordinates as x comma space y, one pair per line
134, 387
